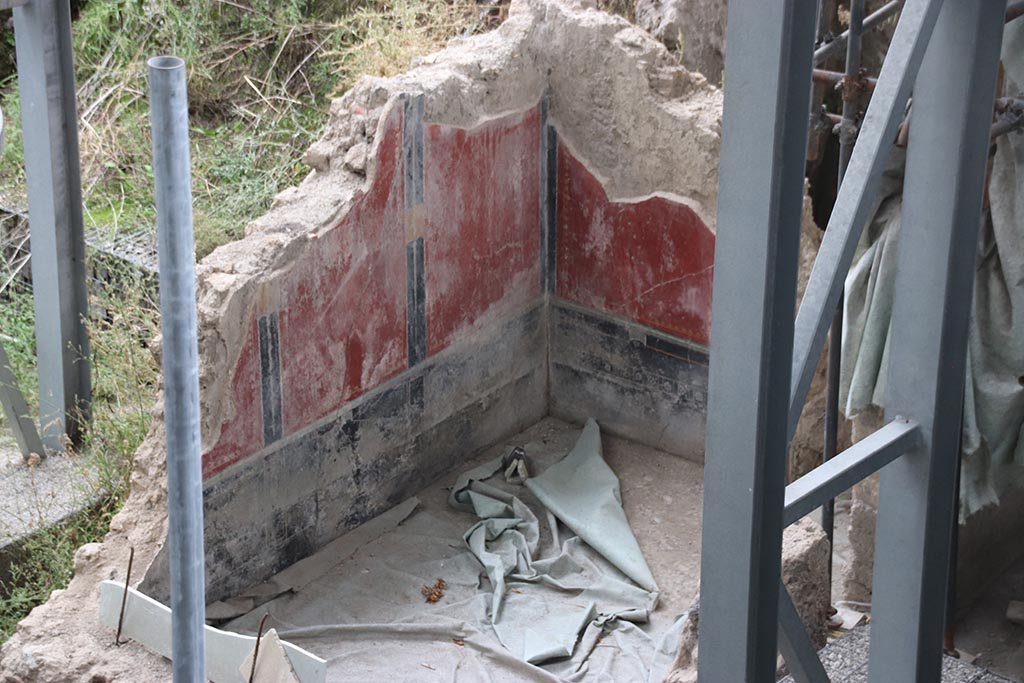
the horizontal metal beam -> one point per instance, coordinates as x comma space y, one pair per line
857, 462
872, 21
795, 645
855, 202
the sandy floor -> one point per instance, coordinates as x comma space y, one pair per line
661, 494
985, 632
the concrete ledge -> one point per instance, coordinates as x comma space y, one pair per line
36, 498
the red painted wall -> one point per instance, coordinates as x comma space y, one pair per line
343, 326
649, 261
342, 321
243, 425
481, 231
343, 304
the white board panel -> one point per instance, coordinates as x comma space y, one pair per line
148, 622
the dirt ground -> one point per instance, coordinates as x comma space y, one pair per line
984, 631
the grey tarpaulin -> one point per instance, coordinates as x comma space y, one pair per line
568, 489
525, 600
994, 392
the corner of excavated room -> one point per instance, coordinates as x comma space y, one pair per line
463, 260
512, 237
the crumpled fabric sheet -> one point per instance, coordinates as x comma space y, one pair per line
525, 601
994, 394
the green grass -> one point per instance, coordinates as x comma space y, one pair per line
45, 563
124, 382
261, 76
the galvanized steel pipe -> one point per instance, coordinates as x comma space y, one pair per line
172, 176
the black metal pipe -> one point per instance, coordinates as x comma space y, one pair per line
949, 635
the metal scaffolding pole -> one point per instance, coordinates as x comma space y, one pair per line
847, 137
942, 208
855, 201
760, 198
871, 22
46, 82
172, 175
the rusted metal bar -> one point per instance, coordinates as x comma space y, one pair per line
826, 77
256, 649
124, 598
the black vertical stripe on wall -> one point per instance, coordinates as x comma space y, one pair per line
270, 377
548, 197
416, 294
412, 149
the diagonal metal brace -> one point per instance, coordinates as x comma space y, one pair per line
16, 410
857, 462
856, 201
795, 645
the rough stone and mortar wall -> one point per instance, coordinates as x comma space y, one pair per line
696, 28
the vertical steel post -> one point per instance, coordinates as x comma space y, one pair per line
847, 138
942, 205
172, 175
767, 96
46, 82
